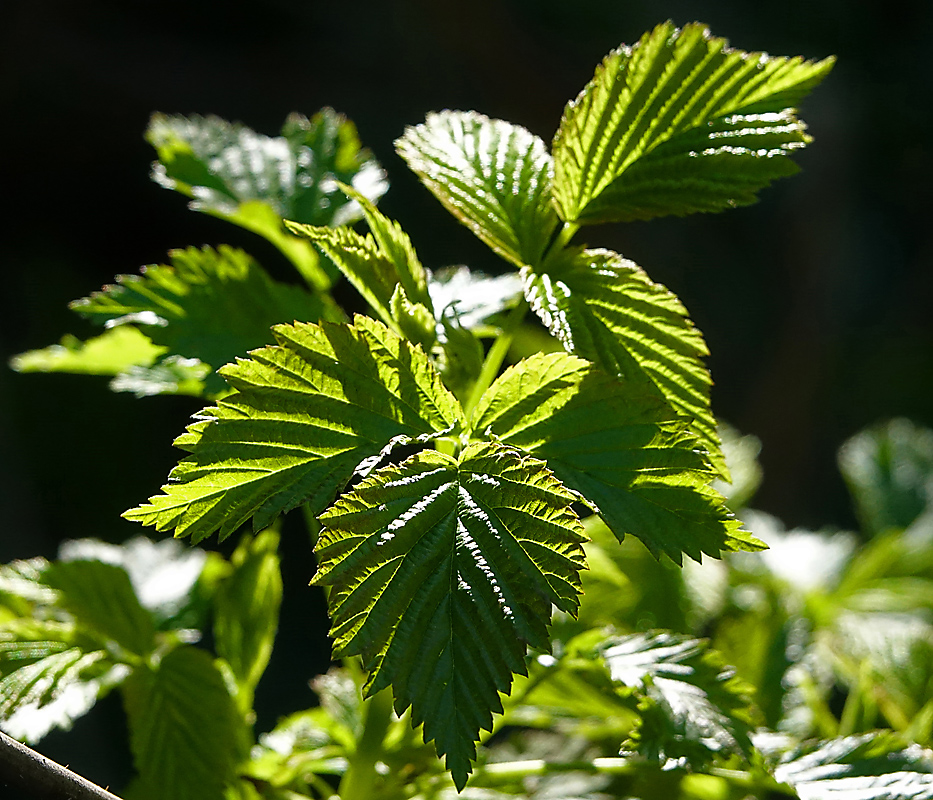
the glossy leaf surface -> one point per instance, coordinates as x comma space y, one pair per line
443, 571
493, 176
305, 414
713, 123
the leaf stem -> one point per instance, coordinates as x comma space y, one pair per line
358, 782
496, 356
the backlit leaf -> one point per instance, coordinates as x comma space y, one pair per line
209, 305
111, 353
679, 122
493, 176
305, 415
605, 309
621, 448
443, 572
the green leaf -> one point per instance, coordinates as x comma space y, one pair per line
170, 375
678, 123
694, 706
889, 471
604, 308
49, 676
257, 181
493, 176
102, 600
622, 449
443, 571
246, 610
378, 264
470, 297
211, 305
305, 415
111, 353
185, 731
164, 575
874, 765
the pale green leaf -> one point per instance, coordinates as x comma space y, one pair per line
889, 471
164, 575
246, 610
210, 305
493, 176
185, 732
378, 264
111, 353
443, 571
102, 600
305, 415
741, 455
257, 181
694, 706
621, 448
170, 375
712, 123
878, 765
50, 675
470, 297
604, 308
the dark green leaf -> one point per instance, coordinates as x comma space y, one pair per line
211, 305
622, 449
605, 309
247, 610
493, 176
443, 571
185, 732
306, 414
677, 123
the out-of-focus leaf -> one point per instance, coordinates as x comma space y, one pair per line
49, 676
163, 574
247, 610
112, 353
889, 471
210, 305
258, 181
694, 706
185, 731
874, 766
741, 454
101, 598
472, 297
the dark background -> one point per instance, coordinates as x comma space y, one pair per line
815, 302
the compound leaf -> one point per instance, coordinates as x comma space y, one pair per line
210, 305
493, 176
185, 732
258, 181
443, 571
622, 449
677, 123
692, 705
604, 308
305, 415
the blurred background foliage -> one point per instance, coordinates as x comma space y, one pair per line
815, 302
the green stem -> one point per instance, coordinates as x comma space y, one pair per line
359, 781
496, 356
